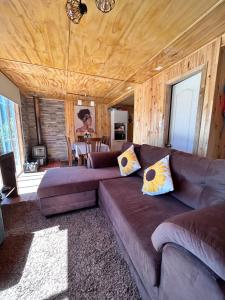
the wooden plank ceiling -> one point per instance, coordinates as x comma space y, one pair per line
104, 56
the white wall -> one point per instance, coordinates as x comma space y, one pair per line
9, 90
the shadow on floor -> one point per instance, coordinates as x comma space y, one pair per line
13, 256
67, 256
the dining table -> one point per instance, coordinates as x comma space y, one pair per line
79, 148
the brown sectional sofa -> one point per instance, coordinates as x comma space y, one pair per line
65, 189
174, 243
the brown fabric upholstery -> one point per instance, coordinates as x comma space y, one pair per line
198, 181
63, 203
184, 277
63, 181
103, 159
201, 232
149, 155
135, 216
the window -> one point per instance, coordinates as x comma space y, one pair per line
9, 140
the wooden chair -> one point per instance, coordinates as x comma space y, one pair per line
70, 154
106, 140
92, 145
80, 138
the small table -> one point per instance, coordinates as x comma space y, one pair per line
79, 149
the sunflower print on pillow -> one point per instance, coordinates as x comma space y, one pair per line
158, 179
128, 162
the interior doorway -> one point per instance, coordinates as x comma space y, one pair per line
128, 105
185, 114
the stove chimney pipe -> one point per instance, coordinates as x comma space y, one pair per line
37, 119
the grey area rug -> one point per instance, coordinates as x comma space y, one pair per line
69, 256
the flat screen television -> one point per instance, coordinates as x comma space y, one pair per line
8, 173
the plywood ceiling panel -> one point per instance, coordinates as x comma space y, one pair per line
115, 45
38, 80
43, 53
89, 85
195, 37
35, 32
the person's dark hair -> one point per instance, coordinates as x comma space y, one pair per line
84, 114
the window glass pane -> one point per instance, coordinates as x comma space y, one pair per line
5, 130
8, 130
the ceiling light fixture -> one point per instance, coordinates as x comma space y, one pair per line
75, 10
158, 68
105, 5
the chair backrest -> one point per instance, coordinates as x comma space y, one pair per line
80, 138
69, 151
93, 144
105, 140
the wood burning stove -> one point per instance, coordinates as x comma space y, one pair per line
39, 153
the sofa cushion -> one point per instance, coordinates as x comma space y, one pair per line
135, 216
157, 178
63, 181
137, 148
100, 160
128, 162
198, 181
149, 155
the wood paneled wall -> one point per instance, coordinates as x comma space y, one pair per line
101, 116
216, 146
151, 101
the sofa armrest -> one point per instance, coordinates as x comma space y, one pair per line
201, 232
103, 159
184, 276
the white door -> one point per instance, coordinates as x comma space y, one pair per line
184, 110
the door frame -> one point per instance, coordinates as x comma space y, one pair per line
168, 101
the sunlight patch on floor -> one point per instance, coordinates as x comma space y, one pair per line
29, 182
45, 274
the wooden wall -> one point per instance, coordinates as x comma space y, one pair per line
101, 117
150, 108
216, 146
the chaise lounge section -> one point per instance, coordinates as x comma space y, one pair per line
70, 188
173, 243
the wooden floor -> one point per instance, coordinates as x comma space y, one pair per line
28, 183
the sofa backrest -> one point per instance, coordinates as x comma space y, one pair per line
198, 182
149, 155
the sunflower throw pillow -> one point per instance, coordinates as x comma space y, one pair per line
128, 162
157, 178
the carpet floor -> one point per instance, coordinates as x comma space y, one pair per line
69, 256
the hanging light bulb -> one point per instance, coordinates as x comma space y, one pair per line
75, 10
105, 5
